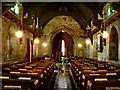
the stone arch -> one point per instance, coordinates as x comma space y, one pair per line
66, 23
57, 31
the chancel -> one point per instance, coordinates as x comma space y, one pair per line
60, 45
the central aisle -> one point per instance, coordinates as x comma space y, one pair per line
63, 80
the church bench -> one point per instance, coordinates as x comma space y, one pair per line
29, 68
38, 71
32, 67
77, 66
31, 84
23, 71
101, 85
17, 75
87, 77
82, 73
40, 77
43, 79
26, 69
95, 66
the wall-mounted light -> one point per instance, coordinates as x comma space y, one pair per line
44, 44
18, 34
105, 34
87, 41
36, 41
79, 45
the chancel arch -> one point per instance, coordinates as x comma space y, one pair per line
69, 25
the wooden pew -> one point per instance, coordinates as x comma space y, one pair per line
83, 73
93, 77
101, 85
16, 70
78, 66
25, 84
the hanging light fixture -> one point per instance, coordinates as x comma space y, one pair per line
36, 41
79, 45
87, 41
18, 34
44, 44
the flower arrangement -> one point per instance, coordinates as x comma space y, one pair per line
64, 59
58, 64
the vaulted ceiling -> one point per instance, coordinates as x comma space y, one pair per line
82, 12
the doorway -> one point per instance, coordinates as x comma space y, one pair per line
113, 45
29, 53
62, 45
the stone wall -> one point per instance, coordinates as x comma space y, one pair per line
13, 48
104, 55
116, 24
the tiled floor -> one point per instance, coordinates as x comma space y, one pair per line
63, 79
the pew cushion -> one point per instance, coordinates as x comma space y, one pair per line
12, 87
100, 79
25, 78
4, 77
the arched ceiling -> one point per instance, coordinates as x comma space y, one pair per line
82, 12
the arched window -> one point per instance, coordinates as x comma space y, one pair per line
113, 45
17, 9
63, 48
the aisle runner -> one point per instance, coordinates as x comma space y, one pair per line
62, 80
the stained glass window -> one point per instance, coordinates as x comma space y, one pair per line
110, 10
17, 9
